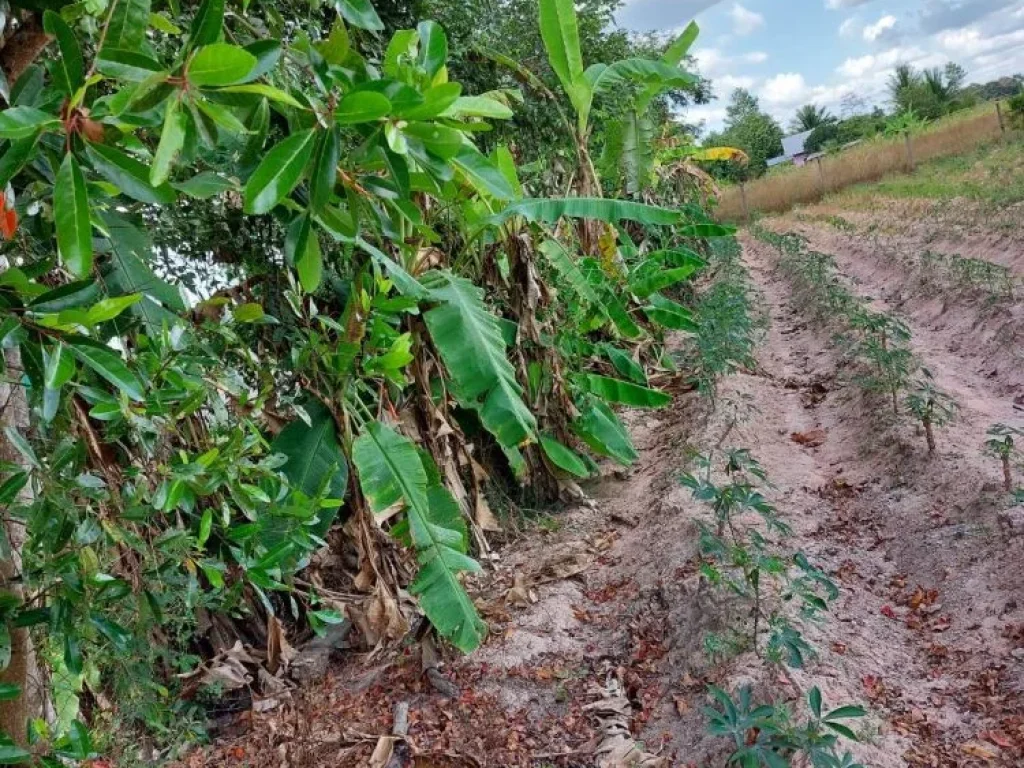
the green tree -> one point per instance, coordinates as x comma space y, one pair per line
810, 116
260, 276
748, 128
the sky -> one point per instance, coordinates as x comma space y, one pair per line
793, 52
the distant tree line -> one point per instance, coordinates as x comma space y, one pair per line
925, 94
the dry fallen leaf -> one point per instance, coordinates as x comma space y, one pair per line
812, 438
978, 750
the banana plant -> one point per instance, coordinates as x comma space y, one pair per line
560, 33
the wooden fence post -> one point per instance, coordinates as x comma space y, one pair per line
821, 175
910, 150
999, 114
743, 197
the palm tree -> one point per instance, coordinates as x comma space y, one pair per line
902, 82
809, 117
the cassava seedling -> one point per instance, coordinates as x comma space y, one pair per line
1001, 445
931, 406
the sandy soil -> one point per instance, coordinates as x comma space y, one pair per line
928, 632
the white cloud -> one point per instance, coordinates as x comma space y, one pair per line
714, 64
727, 83
860, 66
850, 27
835, 5
874, 31
971, 42
785, 88
744, 20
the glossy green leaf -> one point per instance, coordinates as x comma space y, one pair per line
127, 26
564, 458
315, 462
207, 24
172, 139
128, 272
279, 173
309, 263
324, 167
205, 185
108, 309
69, 69
25, 122
268, 91
359, 13
108, 364
436, 101
14, 158
72, 218
127, 65
433, 53
220, 64
128, 174
362, 107
479, 106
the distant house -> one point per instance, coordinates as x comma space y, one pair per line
793, 150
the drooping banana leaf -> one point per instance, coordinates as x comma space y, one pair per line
609, 302
390, 471
550, 210
649, 276
562, 457
622, 392
670, 314
625, 364
603, 433
649, 72
672, 57
471, 344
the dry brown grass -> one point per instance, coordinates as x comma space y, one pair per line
867, 162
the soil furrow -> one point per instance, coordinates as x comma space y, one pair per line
929, 606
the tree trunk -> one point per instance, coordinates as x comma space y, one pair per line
1007, 479
23, 670
928, 435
